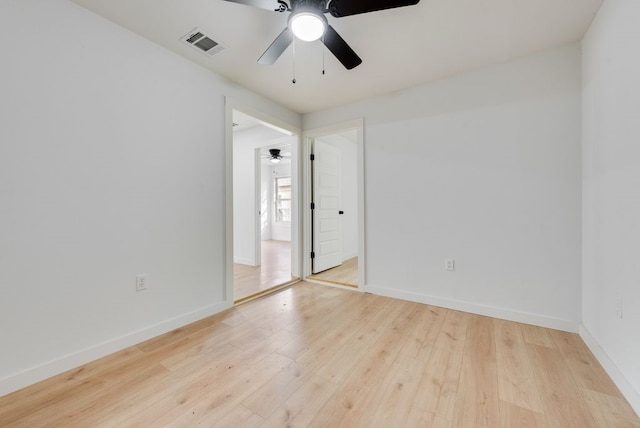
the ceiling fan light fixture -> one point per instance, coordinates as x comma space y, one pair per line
274, 155
307, 26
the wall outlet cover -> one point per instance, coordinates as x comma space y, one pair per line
450, 265
141, 282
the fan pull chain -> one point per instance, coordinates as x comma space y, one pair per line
323, 50
294, 62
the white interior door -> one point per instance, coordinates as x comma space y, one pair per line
327, 247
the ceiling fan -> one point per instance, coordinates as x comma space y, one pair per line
308, 23
276, 155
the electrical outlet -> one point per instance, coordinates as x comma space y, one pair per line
450, 265
141, 282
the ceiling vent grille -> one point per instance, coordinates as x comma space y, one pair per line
199, 40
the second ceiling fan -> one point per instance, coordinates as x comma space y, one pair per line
308, 23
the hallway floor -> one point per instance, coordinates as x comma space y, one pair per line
275, 270
345, 274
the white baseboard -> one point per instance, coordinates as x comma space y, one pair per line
349, 256
629, 392
36, 374
478, 309
243, 261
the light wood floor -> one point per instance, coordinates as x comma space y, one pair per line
345, 274
319, 356
275, 270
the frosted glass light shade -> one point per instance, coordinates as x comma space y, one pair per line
307, 26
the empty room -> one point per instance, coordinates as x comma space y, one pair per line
475, 164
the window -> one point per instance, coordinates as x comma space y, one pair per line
283, 199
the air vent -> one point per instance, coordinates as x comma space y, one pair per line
199, 40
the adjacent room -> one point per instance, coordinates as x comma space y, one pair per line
157, 177
263, 206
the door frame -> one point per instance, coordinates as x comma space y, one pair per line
307, 139
296, 224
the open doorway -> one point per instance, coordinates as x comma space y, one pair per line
335, 223
264, 206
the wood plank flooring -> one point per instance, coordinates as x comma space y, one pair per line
275, 269
319, 356
345, 274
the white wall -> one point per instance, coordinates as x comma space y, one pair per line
347, 143
111, 165
611, 195
266, 197
484, 168
244, 201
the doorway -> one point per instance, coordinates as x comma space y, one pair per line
264, 206
335, 222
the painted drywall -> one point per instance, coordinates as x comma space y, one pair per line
111, 165
483, 168
347, 144
611, 202
266, 196
244, 201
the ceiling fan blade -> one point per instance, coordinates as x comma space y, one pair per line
340, 49
272, 5
279, 45
340, 8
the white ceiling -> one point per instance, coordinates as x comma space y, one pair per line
243, 122
400, 48
263, 135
